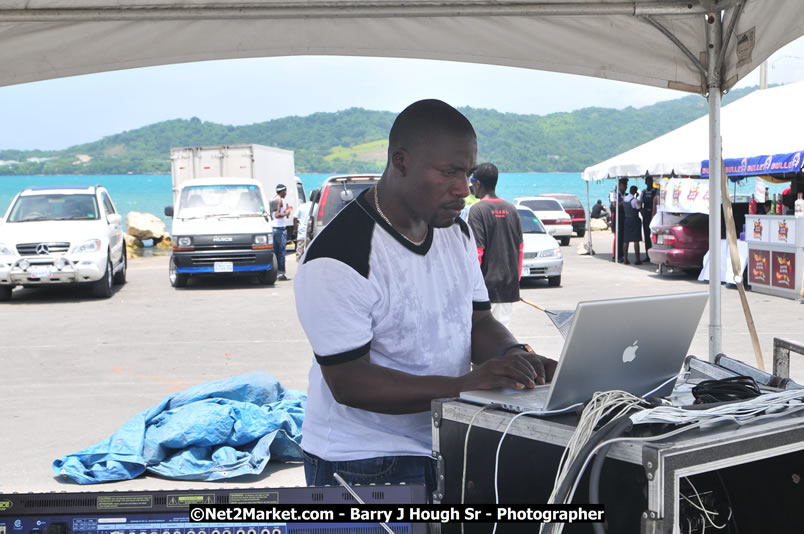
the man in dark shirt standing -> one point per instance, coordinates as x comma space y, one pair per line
647, 212
498, 234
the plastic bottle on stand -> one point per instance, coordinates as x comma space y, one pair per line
780, 206
800, 205
752, 206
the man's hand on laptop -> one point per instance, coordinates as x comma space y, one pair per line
517, 368
543, 366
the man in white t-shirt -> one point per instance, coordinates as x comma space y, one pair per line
280, 223
392, 299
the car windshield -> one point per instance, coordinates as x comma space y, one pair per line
229, 199
530, 223
54, 207
335, 200
542, 204
570, 203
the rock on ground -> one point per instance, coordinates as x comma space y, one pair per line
145, 226
132, 242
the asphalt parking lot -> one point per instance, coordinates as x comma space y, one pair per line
76, 368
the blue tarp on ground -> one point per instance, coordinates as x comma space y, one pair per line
221, 429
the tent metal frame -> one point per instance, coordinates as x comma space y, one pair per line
714, 12
362, 9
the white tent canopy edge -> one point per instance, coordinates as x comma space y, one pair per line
762, 123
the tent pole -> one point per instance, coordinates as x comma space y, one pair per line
714, 31
588, 221
616, 225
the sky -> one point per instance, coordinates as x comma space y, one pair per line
56, 114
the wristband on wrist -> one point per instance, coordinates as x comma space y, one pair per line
522, 346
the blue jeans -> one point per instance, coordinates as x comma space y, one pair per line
280, 245
380, 470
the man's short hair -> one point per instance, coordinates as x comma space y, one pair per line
486, 174
419, 124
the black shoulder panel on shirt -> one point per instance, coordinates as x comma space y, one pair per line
343, 357
347, 238
481, 305
464, 226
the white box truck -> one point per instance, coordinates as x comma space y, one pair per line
221, 214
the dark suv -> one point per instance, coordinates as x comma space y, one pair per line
573, 206
335, 193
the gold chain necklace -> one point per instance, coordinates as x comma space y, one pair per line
384, 218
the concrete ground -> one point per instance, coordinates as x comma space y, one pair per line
74, 368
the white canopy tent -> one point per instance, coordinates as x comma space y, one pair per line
765, 122
701, 46
661, 43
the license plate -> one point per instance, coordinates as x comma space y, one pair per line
40, 271
224, 267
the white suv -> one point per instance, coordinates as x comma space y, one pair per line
551, 214
57, 235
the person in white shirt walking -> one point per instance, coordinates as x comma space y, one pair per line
300, 217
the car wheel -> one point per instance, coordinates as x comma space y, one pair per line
565, 241
5, 293
554, 281
581, 232
102, 289
268, 277
120, 276
176, 279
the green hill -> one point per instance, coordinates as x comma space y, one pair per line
355, 140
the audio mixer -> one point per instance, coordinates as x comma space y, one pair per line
167, 512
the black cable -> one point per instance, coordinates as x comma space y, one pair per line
733, 518
726, 390
594, 483
614, 427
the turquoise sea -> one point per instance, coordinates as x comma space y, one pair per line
151, 193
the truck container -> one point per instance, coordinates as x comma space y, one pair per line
266, 164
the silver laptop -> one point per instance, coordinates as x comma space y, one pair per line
634, 344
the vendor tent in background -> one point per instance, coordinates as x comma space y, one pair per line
699, 46
760, 133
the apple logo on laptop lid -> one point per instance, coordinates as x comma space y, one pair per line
629, 354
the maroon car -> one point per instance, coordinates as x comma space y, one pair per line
574, 208
682, 245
